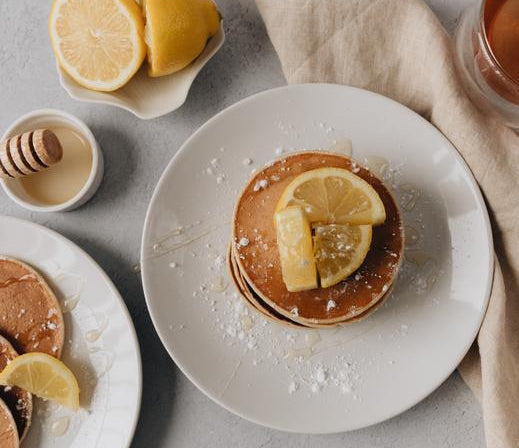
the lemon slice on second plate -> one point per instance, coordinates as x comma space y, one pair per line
294, 238
44, 376
339, 250
99, 43
334, 196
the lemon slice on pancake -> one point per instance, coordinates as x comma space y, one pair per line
334, 196
339, 250
44, 376
294, 238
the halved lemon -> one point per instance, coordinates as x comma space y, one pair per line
294, 239
177, 32
339, 250
99, 43
334, 196
44, 376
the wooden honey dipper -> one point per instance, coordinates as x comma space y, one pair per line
29, 153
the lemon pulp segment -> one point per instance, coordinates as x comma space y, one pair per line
339, 250
294, 239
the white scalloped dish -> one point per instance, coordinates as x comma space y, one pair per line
144, 96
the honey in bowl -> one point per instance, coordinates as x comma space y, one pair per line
63, 181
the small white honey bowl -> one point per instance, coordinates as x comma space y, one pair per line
72, 181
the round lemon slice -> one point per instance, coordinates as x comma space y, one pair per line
339, 250
99, 43
334, 196
44, 376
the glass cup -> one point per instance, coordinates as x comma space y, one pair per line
487, 83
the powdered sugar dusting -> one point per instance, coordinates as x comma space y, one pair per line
330, 305
261, 184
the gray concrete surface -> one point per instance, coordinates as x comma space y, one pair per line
174, 412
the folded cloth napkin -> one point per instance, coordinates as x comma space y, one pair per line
399, 49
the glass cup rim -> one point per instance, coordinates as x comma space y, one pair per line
488, 47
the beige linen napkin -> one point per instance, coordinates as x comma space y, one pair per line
399, 49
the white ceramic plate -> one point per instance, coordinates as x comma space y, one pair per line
101, 347
148, 97
328, 380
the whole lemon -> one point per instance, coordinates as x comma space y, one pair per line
177, 31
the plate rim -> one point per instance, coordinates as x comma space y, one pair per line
119, 300
471, 180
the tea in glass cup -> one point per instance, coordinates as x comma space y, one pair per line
487, 49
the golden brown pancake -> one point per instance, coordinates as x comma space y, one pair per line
258, 259
18, 401
30, 314
8, 433
259, 305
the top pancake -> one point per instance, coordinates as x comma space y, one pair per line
259, 262
30, 313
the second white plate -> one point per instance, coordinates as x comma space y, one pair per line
328, 380
101, 346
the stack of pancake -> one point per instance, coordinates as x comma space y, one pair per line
254, 260
30, 321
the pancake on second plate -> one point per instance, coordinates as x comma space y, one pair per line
8, 433
256, 254
18, 401
30, 313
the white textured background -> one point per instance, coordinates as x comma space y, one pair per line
174, 412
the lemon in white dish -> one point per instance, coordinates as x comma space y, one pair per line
177, 32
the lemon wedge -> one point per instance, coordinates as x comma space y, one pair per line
334, 196
44, 376
99, 43
294, 239
339, 250
177, 32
